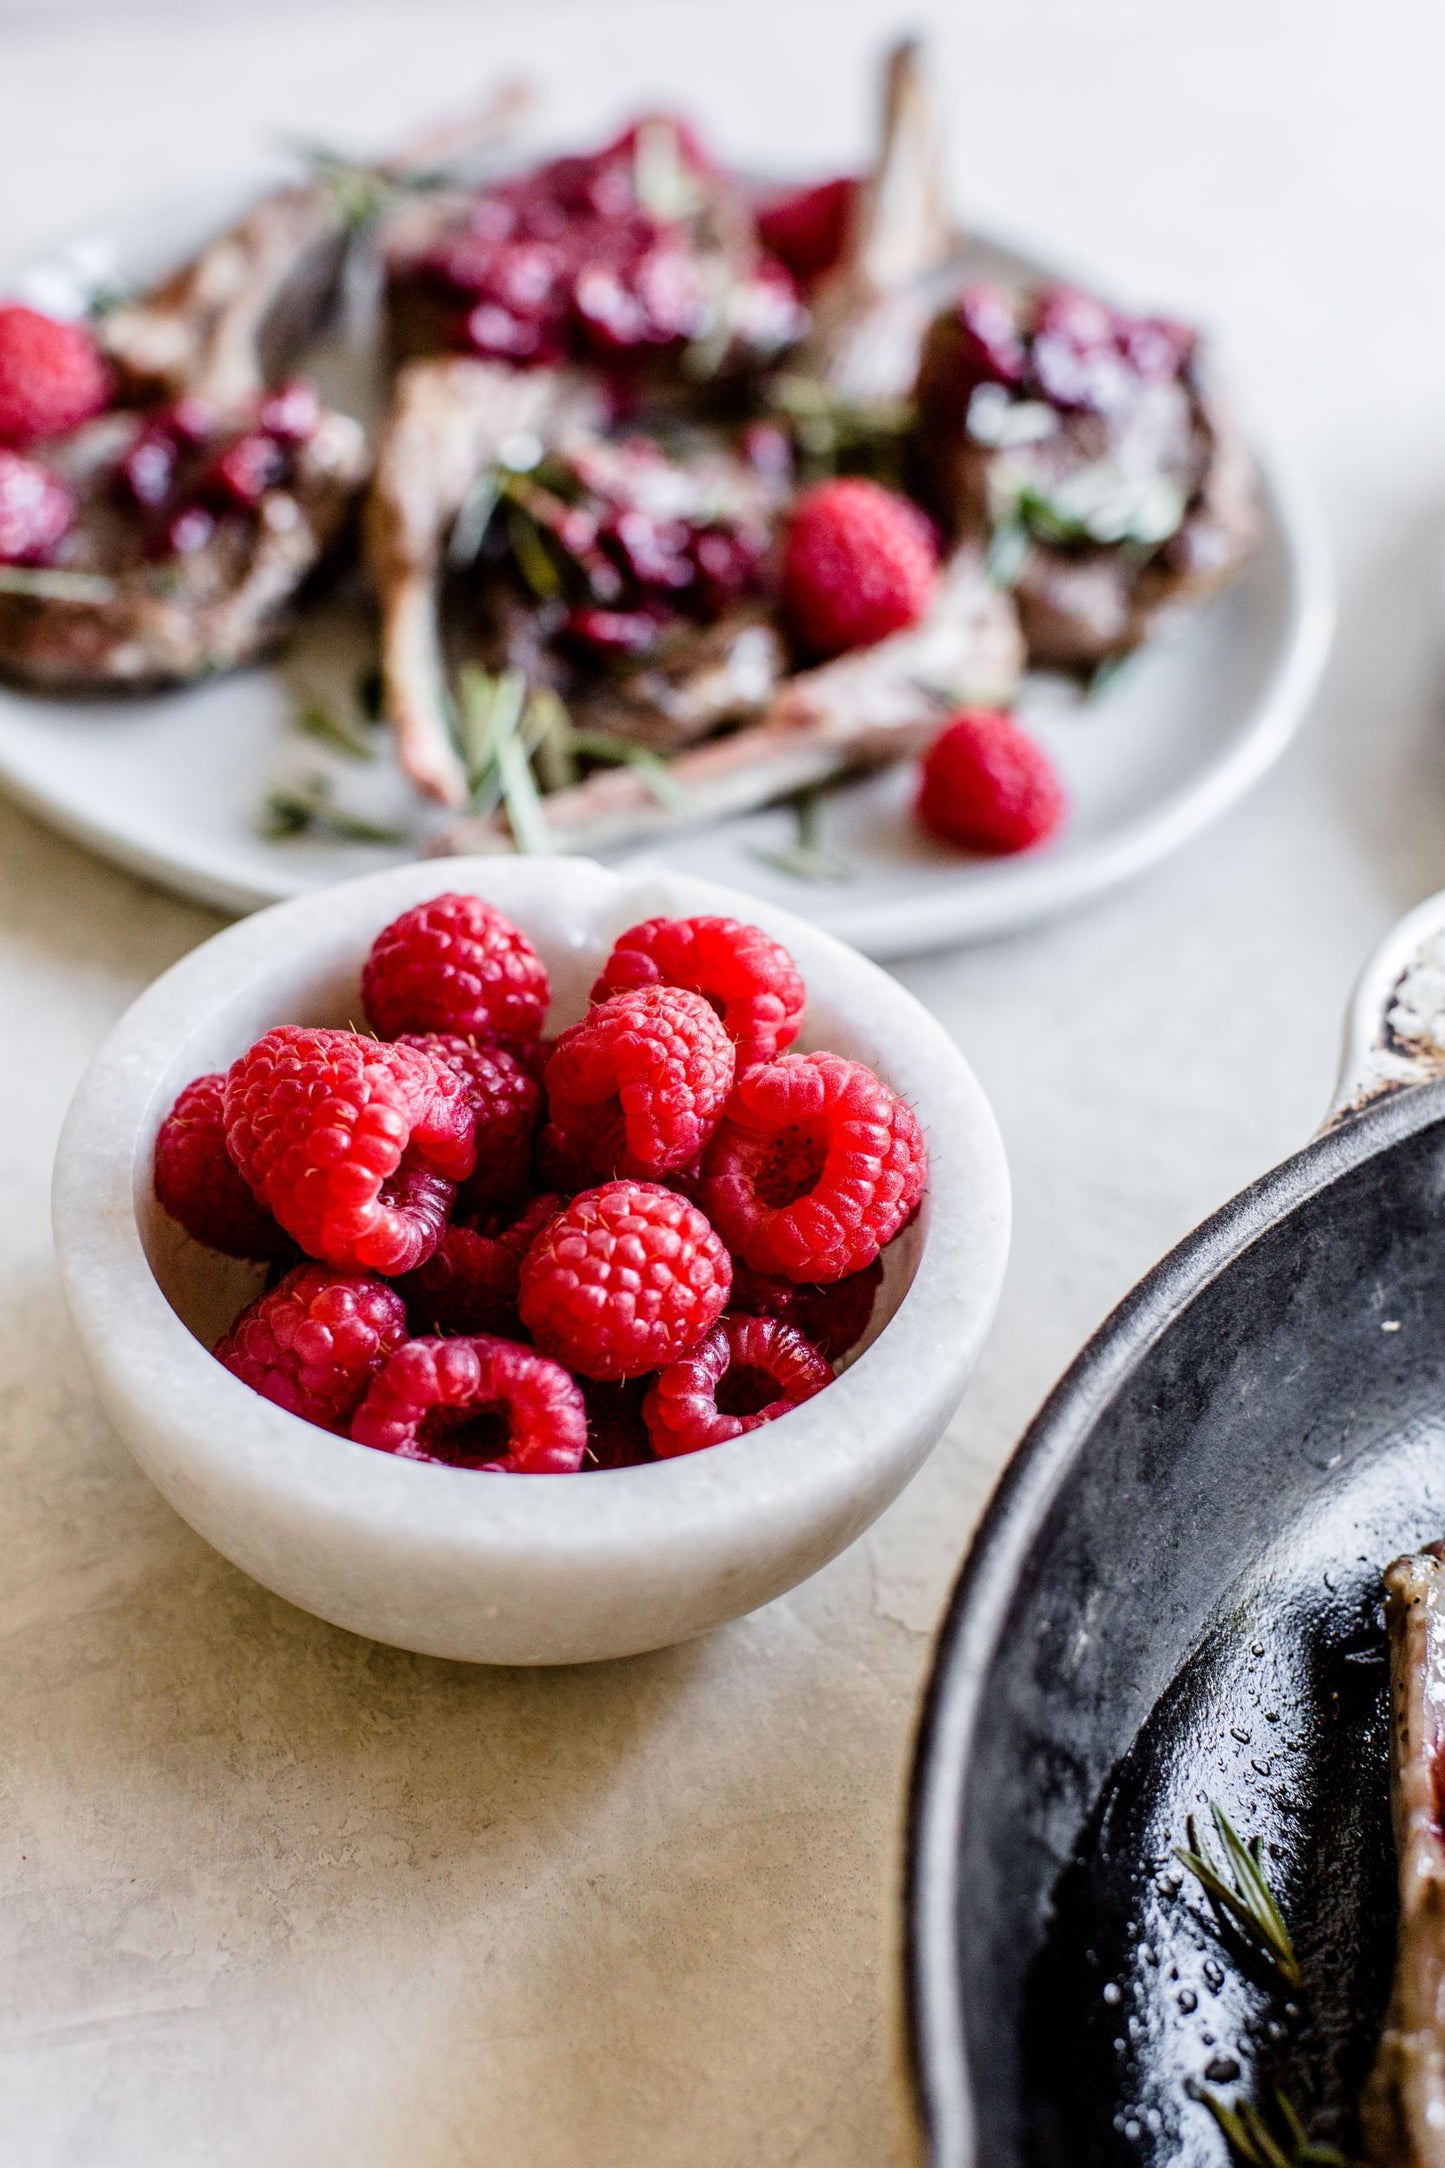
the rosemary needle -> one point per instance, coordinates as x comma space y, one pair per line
1246, 1899
1251, 2139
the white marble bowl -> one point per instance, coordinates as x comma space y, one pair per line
496, 1568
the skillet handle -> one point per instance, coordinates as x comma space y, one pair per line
1395, 1027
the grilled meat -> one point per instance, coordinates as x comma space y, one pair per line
1403, 2111
874, 706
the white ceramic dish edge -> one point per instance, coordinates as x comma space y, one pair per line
513, 1569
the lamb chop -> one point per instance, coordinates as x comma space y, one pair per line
871, 309
1082, 444
1403, 2111
866, 709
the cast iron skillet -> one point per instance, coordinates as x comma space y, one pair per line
1173, 1598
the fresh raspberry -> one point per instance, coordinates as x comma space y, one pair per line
748, 1371
859, 563
36, 511
355, 1146
475, 1403
616, 1433
806, 230
52, 376
313, 1343
639, 1084
624, 1280
454, 964
832, 1319
199, 1183
506, 1101
988, 786
469, 1283
750, 980
813, 1168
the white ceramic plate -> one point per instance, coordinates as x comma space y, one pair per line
171, 786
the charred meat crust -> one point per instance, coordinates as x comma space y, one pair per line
1403, 2111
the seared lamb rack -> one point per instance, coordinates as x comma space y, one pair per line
1081, 446
1403, 2111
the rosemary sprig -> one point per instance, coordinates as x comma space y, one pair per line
492, 715
837, 436
1251, 2139
808, 859
1246, 1899
47, 586
649, 767
314, 719
308, 808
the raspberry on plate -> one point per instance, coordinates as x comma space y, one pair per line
813, 1168
355, 1146
506, 1101
748, 978
748, 1371
626, 1278
475, 1403
988, 786
860, 562
52, 376
454, 964
37, 511
638, 1085
199, 1183
313, 1343
832, 1319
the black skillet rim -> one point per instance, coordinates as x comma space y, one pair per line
968, 1637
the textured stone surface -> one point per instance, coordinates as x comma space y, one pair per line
273, 1898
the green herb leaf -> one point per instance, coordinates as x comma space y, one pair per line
55, 586
534, 559
808, 859
650, 767
308, 809
315, 720
1251, 2138
1246, 1899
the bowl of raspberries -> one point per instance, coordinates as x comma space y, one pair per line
523, 1262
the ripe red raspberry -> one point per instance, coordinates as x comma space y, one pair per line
638, 1085
475, 1403
859, 563
616, 1433
750, 980
469, 1283
748, 1371
52, 376
313, 1343
506, 1101
987, 786
454, 964
625, 1279
831, 1319
36, 511
199, 1183
355, 1146
806, 230
813, 1168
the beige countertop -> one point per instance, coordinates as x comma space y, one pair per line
272, 1896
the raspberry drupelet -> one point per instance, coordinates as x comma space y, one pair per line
626, 1278
52, 375
832, 1319
748, 1371
454, 964
638, 1085
199, 1183
506, 1101
356, 1147
749, 979
475, 1403
813, 1168
314, 1342
859, 563
988, 786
